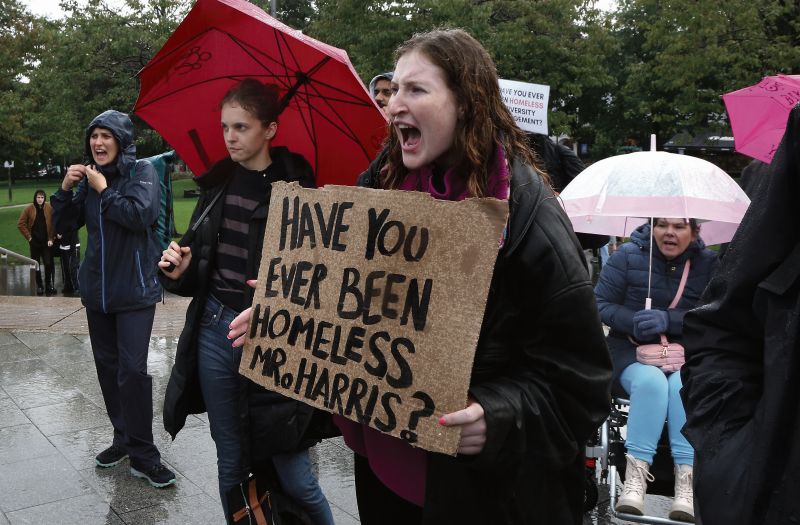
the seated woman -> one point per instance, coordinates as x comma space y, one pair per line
654, 394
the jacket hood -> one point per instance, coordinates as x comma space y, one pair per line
641, 237
120, 125
37, 193
383, 76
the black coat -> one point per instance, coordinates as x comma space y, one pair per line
276, 421
742, 373
541, 372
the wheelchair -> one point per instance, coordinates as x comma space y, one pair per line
607, 451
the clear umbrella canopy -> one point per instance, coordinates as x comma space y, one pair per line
616, 195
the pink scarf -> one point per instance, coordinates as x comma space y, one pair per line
397, 464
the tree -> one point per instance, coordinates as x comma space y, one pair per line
89, 65
18, 54
677, 58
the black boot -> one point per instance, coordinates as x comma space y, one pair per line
49, 277
39, 285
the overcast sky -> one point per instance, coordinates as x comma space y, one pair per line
50, 8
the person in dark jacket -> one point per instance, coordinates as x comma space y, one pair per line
36, 225
213, 268
117, 198
621, 292
380, 89
540, 379
562, 165
69, 247
742, 373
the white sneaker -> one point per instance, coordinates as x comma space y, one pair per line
683, 504
637, 474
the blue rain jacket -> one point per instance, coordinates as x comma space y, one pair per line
119, 269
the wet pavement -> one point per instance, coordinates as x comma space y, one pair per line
53, 422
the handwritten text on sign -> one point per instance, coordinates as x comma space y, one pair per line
527, 103
369, 304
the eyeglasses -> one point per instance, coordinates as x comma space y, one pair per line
386, 92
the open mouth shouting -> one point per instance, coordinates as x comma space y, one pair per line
409, 137
101, 156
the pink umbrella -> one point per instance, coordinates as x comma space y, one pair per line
758, 114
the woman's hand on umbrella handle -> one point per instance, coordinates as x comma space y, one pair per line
238, 326
177, 257
472, 421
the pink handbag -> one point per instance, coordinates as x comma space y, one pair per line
665, 355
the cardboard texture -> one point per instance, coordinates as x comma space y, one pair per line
370, 302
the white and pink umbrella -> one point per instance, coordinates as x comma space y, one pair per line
616, 195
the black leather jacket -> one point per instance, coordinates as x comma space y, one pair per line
261, 409
541, 372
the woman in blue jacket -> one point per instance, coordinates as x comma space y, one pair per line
654, 395
117, 199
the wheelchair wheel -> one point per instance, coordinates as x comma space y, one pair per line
590, 491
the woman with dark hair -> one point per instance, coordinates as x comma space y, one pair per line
541, 374
654, 394
213, 268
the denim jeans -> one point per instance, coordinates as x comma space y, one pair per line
655, 397
220, 382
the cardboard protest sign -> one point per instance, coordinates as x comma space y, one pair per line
527, 103
370, 302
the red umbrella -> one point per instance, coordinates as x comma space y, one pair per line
758, 114
329, 117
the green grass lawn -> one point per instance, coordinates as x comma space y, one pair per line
22, 191
11, 239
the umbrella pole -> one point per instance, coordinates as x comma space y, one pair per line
648, 302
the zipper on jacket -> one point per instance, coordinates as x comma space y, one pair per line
139, 269
102, 257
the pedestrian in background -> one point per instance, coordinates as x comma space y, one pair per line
69, 247
36, 225
117, 199
380, 88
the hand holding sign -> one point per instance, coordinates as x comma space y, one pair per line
473, 431
369, 305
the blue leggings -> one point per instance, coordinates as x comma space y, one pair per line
654, 398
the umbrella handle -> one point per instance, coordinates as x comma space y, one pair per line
186, 240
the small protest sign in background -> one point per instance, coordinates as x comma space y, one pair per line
527, 103
370, 302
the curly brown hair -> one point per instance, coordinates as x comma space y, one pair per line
484, 121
